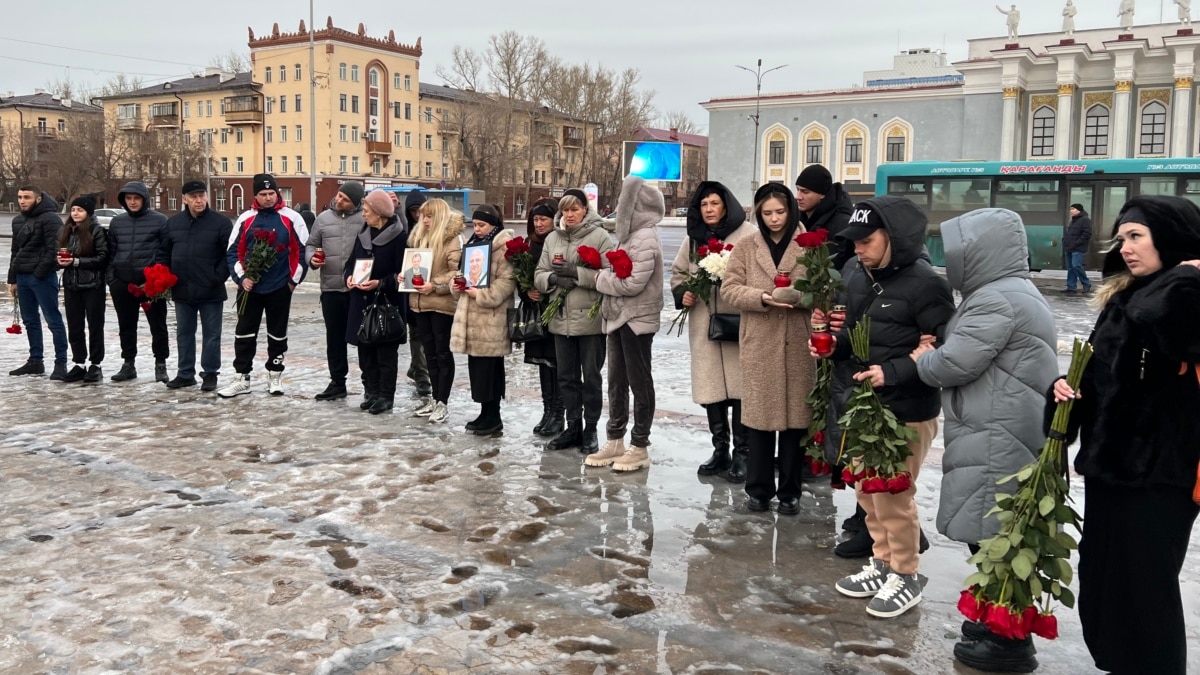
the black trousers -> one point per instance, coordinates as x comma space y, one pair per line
487, 378
551, 396
1132, 551
88, 305
335, 308
580, 359
629, 369
760, 469
380, 365
277, 306
434, 329
128, 308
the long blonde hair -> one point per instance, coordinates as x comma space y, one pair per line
432, 236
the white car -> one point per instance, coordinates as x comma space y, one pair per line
105, 216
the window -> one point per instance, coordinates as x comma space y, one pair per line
298, 76
952, 197
396, 85
1029, 197
446, 146
354, 164
285, 194
429, 115
224, 165
775, 152
187, 137
897, 148
267, 75
129, 111
1158, 186
342, 102
813, 149
372, 105
353, 104
408, 139
1043, 133
354, 73
408, 83
299, 133
354, 134
446, 170
396, 168
373, 78
283, 161
238, 136
407, 167
1095, 131
282, 104
221, 201
408, 111
270, 165
396, 110
341, 71
283, 73
240, 166
270, 104
342, 164
429, 169
269, 135
428, 141
172, 202
62, 126
853, 151
283, 134
376, 167
225, 135
299, 164
396, 138
342, 133
299, 107
187, 109
1152, 132
208, 108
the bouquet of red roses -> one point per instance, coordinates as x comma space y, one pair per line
15, 328
263, 253
589, 257
516, 252
1028, 563
711, 259
873, 440
158, 285
818, 287
622, 266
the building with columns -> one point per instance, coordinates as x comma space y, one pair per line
1103, 93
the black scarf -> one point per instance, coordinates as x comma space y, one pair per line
793, 219
476, 239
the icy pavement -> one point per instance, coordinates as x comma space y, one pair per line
144, 530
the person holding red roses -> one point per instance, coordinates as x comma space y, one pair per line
540, 223
777, 371
998, 355
1137, 418
714, 213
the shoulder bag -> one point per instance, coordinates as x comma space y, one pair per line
525, 322
382, 323
722, 327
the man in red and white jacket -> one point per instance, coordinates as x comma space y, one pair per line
264, 291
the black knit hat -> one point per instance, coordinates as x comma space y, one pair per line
353, 191
578, 194
816, 178
264, 181
1174, 224
1079, 208
86, 203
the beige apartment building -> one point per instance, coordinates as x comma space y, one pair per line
31, 127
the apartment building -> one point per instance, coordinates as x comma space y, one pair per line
31, 128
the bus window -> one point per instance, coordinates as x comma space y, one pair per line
1029, 197
915, 190
1158, 186
959, 196
1191, 191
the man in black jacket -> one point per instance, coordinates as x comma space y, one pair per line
194, 247
33, 281
1076, 240
136, 241
824, 205
906, 301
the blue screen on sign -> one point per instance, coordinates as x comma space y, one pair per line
654, 160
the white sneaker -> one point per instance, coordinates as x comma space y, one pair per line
439, 414
239, 386
425, 408
900, 593
275, 382
635, 458
608, 453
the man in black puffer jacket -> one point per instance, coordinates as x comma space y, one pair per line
195, 243
907, 302
33, 281
136, 242
824, 205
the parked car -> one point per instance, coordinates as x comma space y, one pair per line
105, 216
681, 212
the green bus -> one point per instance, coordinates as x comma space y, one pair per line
1041, 192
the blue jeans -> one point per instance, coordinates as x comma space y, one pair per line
185, 338
1075, 271
33, 294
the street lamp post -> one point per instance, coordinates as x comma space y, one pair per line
758, 74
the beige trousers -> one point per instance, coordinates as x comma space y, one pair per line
892, 519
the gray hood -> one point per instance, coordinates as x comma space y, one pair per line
640, 206
983, 246
590, 222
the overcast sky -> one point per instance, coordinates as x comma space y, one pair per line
686, 51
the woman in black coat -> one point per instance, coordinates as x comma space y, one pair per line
541, 352
383, 240
84, 293
1137, 421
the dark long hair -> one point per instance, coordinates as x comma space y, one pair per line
83, 231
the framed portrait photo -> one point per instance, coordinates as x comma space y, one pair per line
477, 265
416, 269
362, 270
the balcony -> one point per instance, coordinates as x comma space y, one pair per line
449, 129
378, 148
165, 116
45, 132
130, 123
572, 138
239, 110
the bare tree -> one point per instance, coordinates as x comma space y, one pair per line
677, 120
66, 88
120, 84
18, 157
232, 61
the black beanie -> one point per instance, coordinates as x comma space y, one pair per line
353, 191
815, 178
264, 181
544, 209
578, 194
86, 203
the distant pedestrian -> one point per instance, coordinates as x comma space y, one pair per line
418, 367
441, 231
307, 214
630, 314
714, 213
194, 247
335, 232
271, 293
480, 328
136, 240
1076, 242
84, 294
32, 279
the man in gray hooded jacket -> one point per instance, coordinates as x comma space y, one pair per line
334, 232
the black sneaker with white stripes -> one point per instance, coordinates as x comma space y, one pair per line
900, 593
865, 584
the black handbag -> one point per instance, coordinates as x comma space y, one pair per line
381, 323
723, 327
525, 322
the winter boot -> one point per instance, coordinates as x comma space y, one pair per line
380, 406
490, 422
856, 522
537, 428
994, 654
75, 374
126, 373
613, 449
635, 458
737, 466
590, 443
572, 437
554, 424
861, 545
474, 424
60, 371
94, 375
335, 391
160, 371
31, 367
718, 426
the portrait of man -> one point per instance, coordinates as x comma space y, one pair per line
416, 263
477, 266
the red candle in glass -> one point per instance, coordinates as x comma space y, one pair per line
558, 257
319, 256
822, 340
782, 280
460, 282
418, 280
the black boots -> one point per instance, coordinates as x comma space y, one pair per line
333, 392
551, 423
126, 373
737, 466
572, 437
994, 654
489, 421
160, 371
60, 371
591, 443
31, 367
75, 374
741, 446
380, 406
718, 426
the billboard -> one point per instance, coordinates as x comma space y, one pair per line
653, 160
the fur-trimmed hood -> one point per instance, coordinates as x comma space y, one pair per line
640, 206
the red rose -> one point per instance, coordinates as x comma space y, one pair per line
820, 467
1046, 626
589, 256
1003, 622
260, 235
145, 307
969, 605
819, 437
134, 290
899, 483
280, 248
271, 237
811, 239
715, 244
1028, 619
702, 252
874, 486
515, 246
621, 263
848, 476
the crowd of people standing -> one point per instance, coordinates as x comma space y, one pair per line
988, 364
